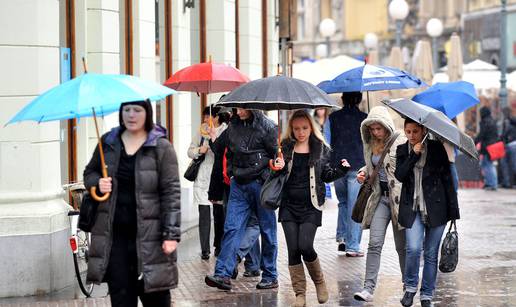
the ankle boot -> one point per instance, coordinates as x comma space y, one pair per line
314, 268
297, 276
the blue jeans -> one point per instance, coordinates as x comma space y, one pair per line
423, 237
489, 172
250, 245
508, 164
243, 199
348, 231
455, 175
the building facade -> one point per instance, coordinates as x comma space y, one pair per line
147, 38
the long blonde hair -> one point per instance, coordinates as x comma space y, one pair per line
289, 133
377, 146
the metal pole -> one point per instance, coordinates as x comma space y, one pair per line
328, 47
399, 23
435, 54
503, 55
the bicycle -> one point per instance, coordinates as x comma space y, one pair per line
79, 240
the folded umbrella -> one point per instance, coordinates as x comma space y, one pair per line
436, 122
450, 98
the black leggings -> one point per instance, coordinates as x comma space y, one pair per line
300, 241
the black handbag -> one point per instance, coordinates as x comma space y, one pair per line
450, 250
193, 169
357, 215
270, 195
87, 212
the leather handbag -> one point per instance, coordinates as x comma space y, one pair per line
496, 151
366, 189
271, 193
193, 169
450, 250
87, 212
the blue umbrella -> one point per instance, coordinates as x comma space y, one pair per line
79, 96
450, 98
371, 78
89, 95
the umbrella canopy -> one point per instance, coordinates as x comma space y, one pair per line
436, 122
371, 78
277, 93
450, 98
455, 61
324, 69
77, 97
207, 78
422, 65
396, 58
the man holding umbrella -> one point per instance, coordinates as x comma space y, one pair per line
344, 136
251, 142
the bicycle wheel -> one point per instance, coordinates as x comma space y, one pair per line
80, 262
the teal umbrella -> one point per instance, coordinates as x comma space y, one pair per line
90, 95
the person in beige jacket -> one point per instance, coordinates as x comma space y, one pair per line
383, 204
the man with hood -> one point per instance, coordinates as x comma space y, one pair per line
251, 142
486, 136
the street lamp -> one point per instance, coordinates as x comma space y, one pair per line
398, 10
434, 28
370, 41
327, 28
503, 55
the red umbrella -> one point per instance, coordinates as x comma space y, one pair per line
207, 78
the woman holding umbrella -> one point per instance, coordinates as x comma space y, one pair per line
428, 201
307, 156
134, 238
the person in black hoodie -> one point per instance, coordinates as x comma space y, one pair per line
486, 136
251, 142
428, 201
508, 163
308, 158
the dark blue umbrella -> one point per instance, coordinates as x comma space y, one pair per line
450, 98
371, 78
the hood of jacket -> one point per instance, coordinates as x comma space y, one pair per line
152, 138
379, 115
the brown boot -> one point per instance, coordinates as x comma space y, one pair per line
297, 276
314, 268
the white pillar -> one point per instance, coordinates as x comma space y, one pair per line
251, 38
34, 226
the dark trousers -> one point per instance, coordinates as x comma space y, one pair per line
300, 241
204, 228
219, 216
122, 278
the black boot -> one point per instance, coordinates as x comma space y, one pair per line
426, 303
408, 299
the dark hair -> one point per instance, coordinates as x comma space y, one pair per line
224, 117
351, 98
149, 123
411, 121
214, 111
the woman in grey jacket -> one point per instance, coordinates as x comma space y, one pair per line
383, 204
137, 228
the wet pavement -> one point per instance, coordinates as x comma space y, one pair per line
485, 276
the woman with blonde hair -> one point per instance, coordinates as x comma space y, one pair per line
306, 155
377, 130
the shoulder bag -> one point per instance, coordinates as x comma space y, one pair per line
450, 250
193, 169
366, 189
87, 212
270, 195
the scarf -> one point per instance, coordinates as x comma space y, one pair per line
419, 199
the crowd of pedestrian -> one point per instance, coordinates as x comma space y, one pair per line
135, 235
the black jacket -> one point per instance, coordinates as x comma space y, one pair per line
438, 190
509, 130
488, 133
158, 209
320, 160
251, 144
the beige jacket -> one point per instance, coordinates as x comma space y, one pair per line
381, 116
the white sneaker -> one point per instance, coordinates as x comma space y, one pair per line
363, 296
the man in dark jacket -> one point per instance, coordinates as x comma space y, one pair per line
486, 136
343, 132
508, 163
251, 143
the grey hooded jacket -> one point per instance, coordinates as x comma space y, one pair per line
158, 207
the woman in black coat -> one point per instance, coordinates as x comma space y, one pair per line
137, 229
428, 201
307, 157
487, 135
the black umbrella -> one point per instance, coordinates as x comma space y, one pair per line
277, 93
436, 122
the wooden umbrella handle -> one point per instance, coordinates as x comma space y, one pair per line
93, 190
